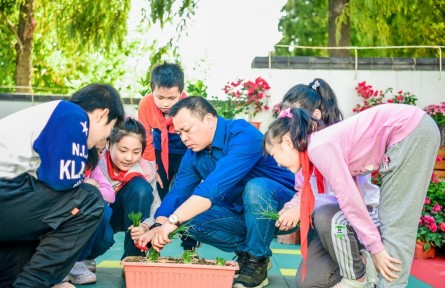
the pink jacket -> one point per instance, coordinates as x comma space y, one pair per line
356, 146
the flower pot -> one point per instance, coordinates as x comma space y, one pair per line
178, 275
420, 253
292, 238
256, 124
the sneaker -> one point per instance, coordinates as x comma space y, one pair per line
91, 265
350, 283
253, 273
80, 274
371, 271
242, 258
64, 285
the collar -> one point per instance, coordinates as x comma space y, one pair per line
220, 133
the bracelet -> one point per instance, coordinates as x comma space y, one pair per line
156, 224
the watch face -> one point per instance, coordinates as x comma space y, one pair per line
173, 219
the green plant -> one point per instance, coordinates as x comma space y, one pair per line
197, 88
220, 261
437, 112
373, 97
135, 218
432, 221
250, 97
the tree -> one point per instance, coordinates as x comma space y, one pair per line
372, 23
71, 27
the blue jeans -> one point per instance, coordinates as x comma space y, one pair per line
102, 238
136, 195
236, 232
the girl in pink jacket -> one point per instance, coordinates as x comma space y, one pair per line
399, 140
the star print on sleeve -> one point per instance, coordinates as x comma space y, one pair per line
84, 127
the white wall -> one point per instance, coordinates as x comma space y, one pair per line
426, 85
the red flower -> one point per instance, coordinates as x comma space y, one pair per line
442, 226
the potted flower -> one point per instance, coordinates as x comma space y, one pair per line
250, 97
437, 112
372, 97
431, 231
156, 271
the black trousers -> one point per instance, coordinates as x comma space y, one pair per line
42, 231
174, 160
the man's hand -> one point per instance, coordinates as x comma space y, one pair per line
159, 180
386, 265
160, 238
289, 218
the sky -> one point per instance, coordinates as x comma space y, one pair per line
221, 40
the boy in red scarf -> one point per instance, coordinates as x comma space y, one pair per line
163, 144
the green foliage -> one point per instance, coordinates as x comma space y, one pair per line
197, 88
135, 218
220, 261
304, 23
373, 23
432, 222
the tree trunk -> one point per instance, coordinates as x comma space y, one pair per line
24, 47
335, 9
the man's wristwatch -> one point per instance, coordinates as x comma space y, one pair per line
173, 219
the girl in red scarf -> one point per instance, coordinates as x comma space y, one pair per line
132, 179
334, 252
399, 140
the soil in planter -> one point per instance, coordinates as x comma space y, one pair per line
195, 260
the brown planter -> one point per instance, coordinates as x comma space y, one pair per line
178, 275
292, 238
420, 253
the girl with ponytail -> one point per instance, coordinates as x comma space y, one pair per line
338, 257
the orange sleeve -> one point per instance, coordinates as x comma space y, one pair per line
144, 118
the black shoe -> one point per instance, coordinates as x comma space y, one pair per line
253, 273
241, 258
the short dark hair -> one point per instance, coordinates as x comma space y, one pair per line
198, 106
128, 126
167, 75
100, 96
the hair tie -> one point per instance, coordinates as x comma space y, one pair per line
316, 85
129, 116
286, 114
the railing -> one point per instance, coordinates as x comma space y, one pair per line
355, 48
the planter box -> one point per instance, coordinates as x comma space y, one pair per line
419, 253
292, 238
178, 275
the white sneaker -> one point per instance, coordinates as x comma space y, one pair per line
91, 265
80, 274
64, 285
371, 271
349, 283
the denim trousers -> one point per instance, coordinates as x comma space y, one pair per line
136, 195
102, 238
243, 232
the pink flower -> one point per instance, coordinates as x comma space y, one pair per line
437, 208
427, 200
442, 226
429, 220
433, 227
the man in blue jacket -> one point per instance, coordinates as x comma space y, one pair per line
222, 185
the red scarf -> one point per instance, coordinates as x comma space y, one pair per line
159, 121
307, 206
320, 184
121, 176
